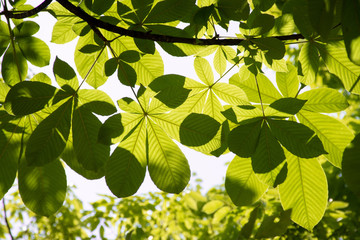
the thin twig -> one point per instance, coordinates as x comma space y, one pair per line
6, 220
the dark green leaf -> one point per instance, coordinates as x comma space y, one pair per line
145, 46
124, 173
273, 226
26, 29
203, 14
43, 189
268, 159
263, 5
35, 51
90, 48
257, 24
297, 138
170, 10
96, 101
111, 128
350, 22
321, 15
288, 105
243, 187
64, 74
243, 139
85, 128
272, 48
49, 138
101, 6
351, 165
4, 37
110, 66
130, 56
14, 67
170, 89
198, 129
126, 74
233, 9
69, 156
28, 97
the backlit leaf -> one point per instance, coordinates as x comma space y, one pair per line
243, 187
351, 165
43, 189
288, 82
304, 191
308, 63
351, 19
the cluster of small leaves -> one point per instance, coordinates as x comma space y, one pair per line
190, 215
278, 137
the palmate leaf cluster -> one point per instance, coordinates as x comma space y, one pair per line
278, 133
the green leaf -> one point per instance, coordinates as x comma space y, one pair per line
288, 105
308, 63
126, 74
273, 226
26, 29
268, 92
85, 127
268, 160
130, 56
300, 11
145, 46
220, 214
129, 105
304, 191
257, 24
149, 67
288, 82
110, 66
328, 130
220, 61
271, 47
350, 18
62, 31
124, 173
351, 165
83, 62
28, 97
43, 189
90, 48
111, 128
297, 138
170, 89
325, 100
170, 10
230, 93
203, 70
49, 138
4, 37
198, 129
10, 146
41, 77
244, 112
212, 206
96, 101
168, 167
101, 6
243, 139
321, 15
243, 187
35, 51
263, 5
338, 63
64, 74
14, 67
233, 9
69, 156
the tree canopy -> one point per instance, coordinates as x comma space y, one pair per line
282, 131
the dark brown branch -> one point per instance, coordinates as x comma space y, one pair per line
26, 14
6, 220
93, 22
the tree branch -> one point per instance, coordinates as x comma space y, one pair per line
26, 14
93, 22
6, 220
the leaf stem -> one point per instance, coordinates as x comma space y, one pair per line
132, 88
261, 103
92, 66
237, 62
12, 42
6, 221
